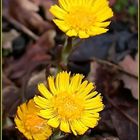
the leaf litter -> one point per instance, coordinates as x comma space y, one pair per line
109, 60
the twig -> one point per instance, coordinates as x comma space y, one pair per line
114, 65
20, 26
123, 113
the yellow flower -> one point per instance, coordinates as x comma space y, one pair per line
82, 18
30, 124
69, 103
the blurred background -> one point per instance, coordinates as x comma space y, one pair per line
31, 45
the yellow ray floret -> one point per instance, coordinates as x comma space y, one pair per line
69, 103
30, 124
83, 18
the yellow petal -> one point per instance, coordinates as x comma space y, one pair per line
98, 5
28, 135
87, 90
54, 122
44, 133
71, 32
75, 82
47, 114
73, 3
102, 24
90, 2
44, 91
64, 4
19, 112
64, 126
95, 106
97, 99
90, 114
82, 87
91, 95
19, 124
94, 103
21, 128
52, 85
41, 102
62, 25
73, 130
62, 81
96, 30
79, 127
58, 12
37, 137
89, 122
23, 107
83, 34
31, 106
104, 14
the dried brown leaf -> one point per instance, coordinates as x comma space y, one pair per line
130, 65
130, 83
28, 15
16, 69
123, 108
36, 78
10, 99
8, 37
125, 129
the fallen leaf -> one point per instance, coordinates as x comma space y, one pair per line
11, 98
121, 108
28, 14
34, 80
130, 65
16, 69
130, 83
7, 39
46, 6
5, 81
125, 129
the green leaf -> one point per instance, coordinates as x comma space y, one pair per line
132, 10
118, 7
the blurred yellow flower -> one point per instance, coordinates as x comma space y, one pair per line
83, 18
30, 124
69, 103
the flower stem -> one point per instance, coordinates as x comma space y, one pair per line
65, 53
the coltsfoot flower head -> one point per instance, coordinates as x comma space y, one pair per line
30, 124
69, 103
83, 18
